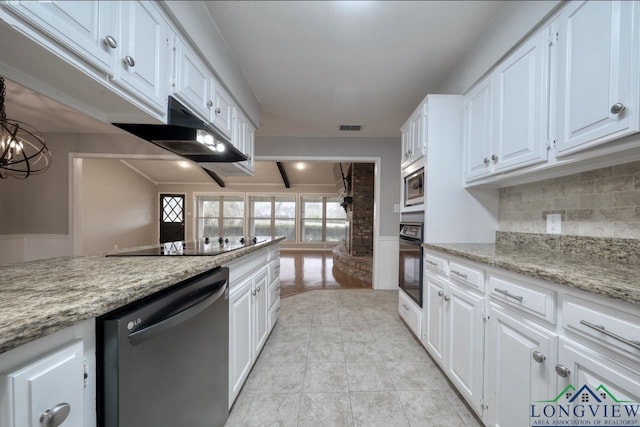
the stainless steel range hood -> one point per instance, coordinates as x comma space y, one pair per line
188, 136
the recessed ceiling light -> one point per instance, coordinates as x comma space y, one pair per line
300, 166
184, 164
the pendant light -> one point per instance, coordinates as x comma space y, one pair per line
22, 148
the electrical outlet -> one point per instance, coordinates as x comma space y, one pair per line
554, 223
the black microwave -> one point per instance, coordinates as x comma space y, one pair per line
414, 188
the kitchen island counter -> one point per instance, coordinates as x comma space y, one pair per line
590, 270
39, 298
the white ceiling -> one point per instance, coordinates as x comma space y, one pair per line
314, 65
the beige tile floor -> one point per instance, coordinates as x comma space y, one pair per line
344, 358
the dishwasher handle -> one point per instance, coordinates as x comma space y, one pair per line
154, 329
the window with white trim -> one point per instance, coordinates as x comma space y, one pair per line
221, 215
273, 216
323, 219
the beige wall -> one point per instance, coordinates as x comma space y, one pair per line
601, 203
40, 203
119, 207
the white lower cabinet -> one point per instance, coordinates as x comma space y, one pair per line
454, 334
240, 337
410, 312
519, 366
252, 312
579, 365
503, 349
464, 343
51, 386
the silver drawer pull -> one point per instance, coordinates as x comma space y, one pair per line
440, 293
600, 328
447, 298
538, 357
406, 307
435, 264
509, 294
457, 273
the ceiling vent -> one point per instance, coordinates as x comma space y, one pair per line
351, 127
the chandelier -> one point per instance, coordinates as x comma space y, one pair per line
22, 148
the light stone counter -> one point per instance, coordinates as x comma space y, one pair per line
41, 297
588, 271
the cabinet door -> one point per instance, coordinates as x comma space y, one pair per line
520, 368
464, 355
433, 337
249, 146
261, 325
521, 102
418, 134
144, 54
598, 50
477, 130
222, 113
46, 383
240, 336
87, 28
609, 381
193, 80
406, 142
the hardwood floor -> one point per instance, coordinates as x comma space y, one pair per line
307, 271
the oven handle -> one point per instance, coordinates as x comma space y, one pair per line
150, 331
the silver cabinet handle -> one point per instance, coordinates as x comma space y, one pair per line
55, 416
486, 160
258, 288
209, 103
111, 42
253, 293
129, 61
600, 328
406, 307
538, 357
217, 110
447, 298
457, 273
435, 264
440, 293
563, 371
494, 157
617, 108
506, 293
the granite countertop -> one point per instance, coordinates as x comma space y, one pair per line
39, 298
612, 278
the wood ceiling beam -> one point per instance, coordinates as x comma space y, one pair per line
283, 174
215, 177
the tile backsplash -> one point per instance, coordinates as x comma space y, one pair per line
600, 203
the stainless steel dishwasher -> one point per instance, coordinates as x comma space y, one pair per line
163, 360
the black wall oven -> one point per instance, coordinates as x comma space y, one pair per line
411, 260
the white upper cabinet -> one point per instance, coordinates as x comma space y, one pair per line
477, 129
87, 28
143, 67
414, 136
520, 105
221, 114
192, 81
597, 74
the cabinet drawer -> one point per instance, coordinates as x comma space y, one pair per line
614, 329
533, 299
274, 292
435, 263
274, 271
468, 275
410, 313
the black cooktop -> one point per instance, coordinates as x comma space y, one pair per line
205, 247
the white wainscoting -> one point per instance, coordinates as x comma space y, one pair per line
31, 247
385, 263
